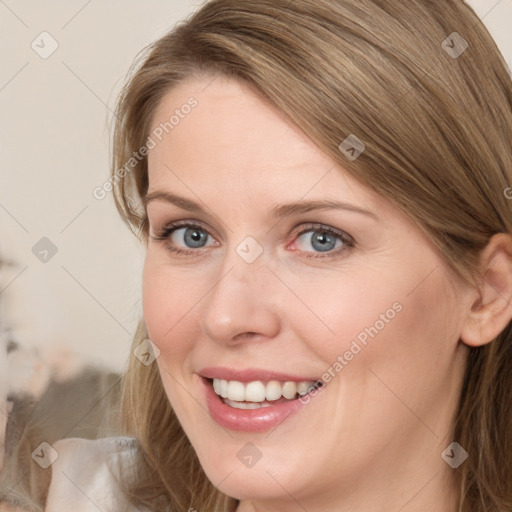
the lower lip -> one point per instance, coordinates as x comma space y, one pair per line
249, 420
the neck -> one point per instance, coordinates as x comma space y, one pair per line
426, 488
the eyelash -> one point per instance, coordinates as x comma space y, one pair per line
348, 241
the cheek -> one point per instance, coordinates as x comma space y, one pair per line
336, 312
408, 336
169, 305
374, 319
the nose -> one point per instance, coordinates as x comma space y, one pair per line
242, 306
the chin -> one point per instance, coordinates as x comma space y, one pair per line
254, 483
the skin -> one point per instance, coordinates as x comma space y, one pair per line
372, 439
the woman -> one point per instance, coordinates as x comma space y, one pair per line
320, 185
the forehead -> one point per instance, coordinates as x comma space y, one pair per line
233, 140
231, 123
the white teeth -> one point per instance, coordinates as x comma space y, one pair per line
289, 390
236, 391
222, 387
303, 388
273, 390
246, 405
257, 391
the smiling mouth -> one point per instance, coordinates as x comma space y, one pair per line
257, 394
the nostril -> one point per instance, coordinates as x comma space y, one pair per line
244, 335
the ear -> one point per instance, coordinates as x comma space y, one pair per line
491, 312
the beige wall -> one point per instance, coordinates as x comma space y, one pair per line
54, 149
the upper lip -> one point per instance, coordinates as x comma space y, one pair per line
250, 375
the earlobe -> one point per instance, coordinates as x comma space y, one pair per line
491, 312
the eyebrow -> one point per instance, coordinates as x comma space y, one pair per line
277, 212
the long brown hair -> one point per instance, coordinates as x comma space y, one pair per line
423, 85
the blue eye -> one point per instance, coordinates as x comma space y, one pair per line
322, 240
315, 242
191, 237
184, 238
319, 240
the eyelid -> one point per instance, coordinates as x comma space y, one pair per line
305, 227
348, 243
343, 235
167, 229
164, 233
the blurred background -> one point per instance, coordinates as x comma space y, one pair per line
70, 269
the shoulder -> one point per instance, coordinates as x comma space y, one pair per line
86, 474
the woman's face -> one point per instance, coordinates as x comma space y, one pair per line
268, 264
